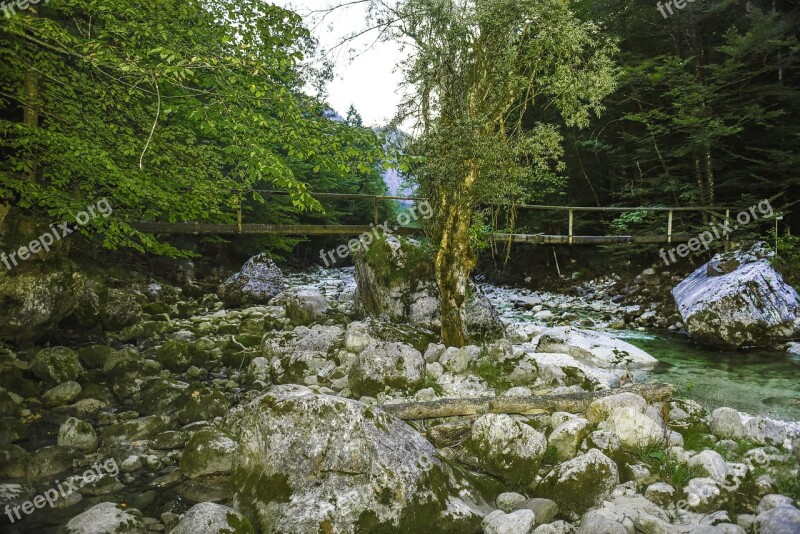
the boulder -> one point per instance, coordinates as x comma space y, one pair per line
779, 520
77, 434
382, 364
746, 306
634, 428
303, 305
709, 464
61, 394
505, 447
209, 452
395, 280
499, 522
34, 303
257, 282
600, 409
319, 463
211, 518
727, 423
56, 365
106, 518
567, 437
301, 352
596, 349
580, 484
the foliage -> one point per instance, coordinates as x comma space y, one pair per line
675, 473
787, 259
166, 109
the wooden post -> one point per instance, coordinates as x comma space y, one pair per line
728, 235
239, 213
669, 227
571, 225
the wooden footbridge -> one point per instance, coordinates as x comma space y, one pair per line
570, 238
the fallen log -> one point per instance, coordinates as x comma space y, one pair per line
572, 402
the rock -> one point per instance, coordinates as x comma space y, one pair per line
106, 518
594, 523
634, 428
301, 352
499, 522
567, 437
766, 431
508, 501
709, 464
544, 315
395, 280
35, 303
780, 520
94, 356
304, 306
357, 337
660, 493
768, 502
309, 462
382, 364
727, 423
211, 518
750, 306
50, 461
703, 495
202, 404
455, 360
257, 282
177, 356
141, 428
209, 452
14, 462
56, 365
504, 447
61, 394
580, 484
597, 349
77, 434
600, 409
545, 510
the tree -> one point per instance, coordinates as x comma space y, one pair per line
477, 70
172, 110
354, 117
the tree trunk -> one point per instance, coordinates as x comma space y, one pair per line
454, 262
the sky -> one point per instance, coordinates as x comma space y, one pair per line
370, 81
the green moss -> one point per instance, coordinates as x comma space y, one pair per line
237, 525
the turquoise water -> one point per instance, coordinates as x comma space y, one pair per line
758, 382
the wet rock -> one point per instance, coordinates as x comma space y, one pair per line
209, 452
210, 518
61, 394
106, 518
77, 434
750, 306
50, 461
499, 522
309, 462
56, 365
580, 484
382, 364
257, 282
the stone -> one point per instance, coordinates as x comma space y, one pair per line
766, 431
304, 306
580, 484
505, 447
768, 502
779, 520
307, 462
357, 337
751, 306
301, 352
600, 409
594, 523
257, 282
383, 364
709, 464
61, 394
660, 493
210, 451
455, 360
177, 356
141, 428
105, 518
77, 434
56, 365
14, 461
567, 437
508, 501
211, 518
545, 510
634, 428
596, 349
47, 462
727, 423
499, 522
703, 495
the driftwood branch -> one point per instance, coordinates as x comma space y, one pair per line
573, 403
